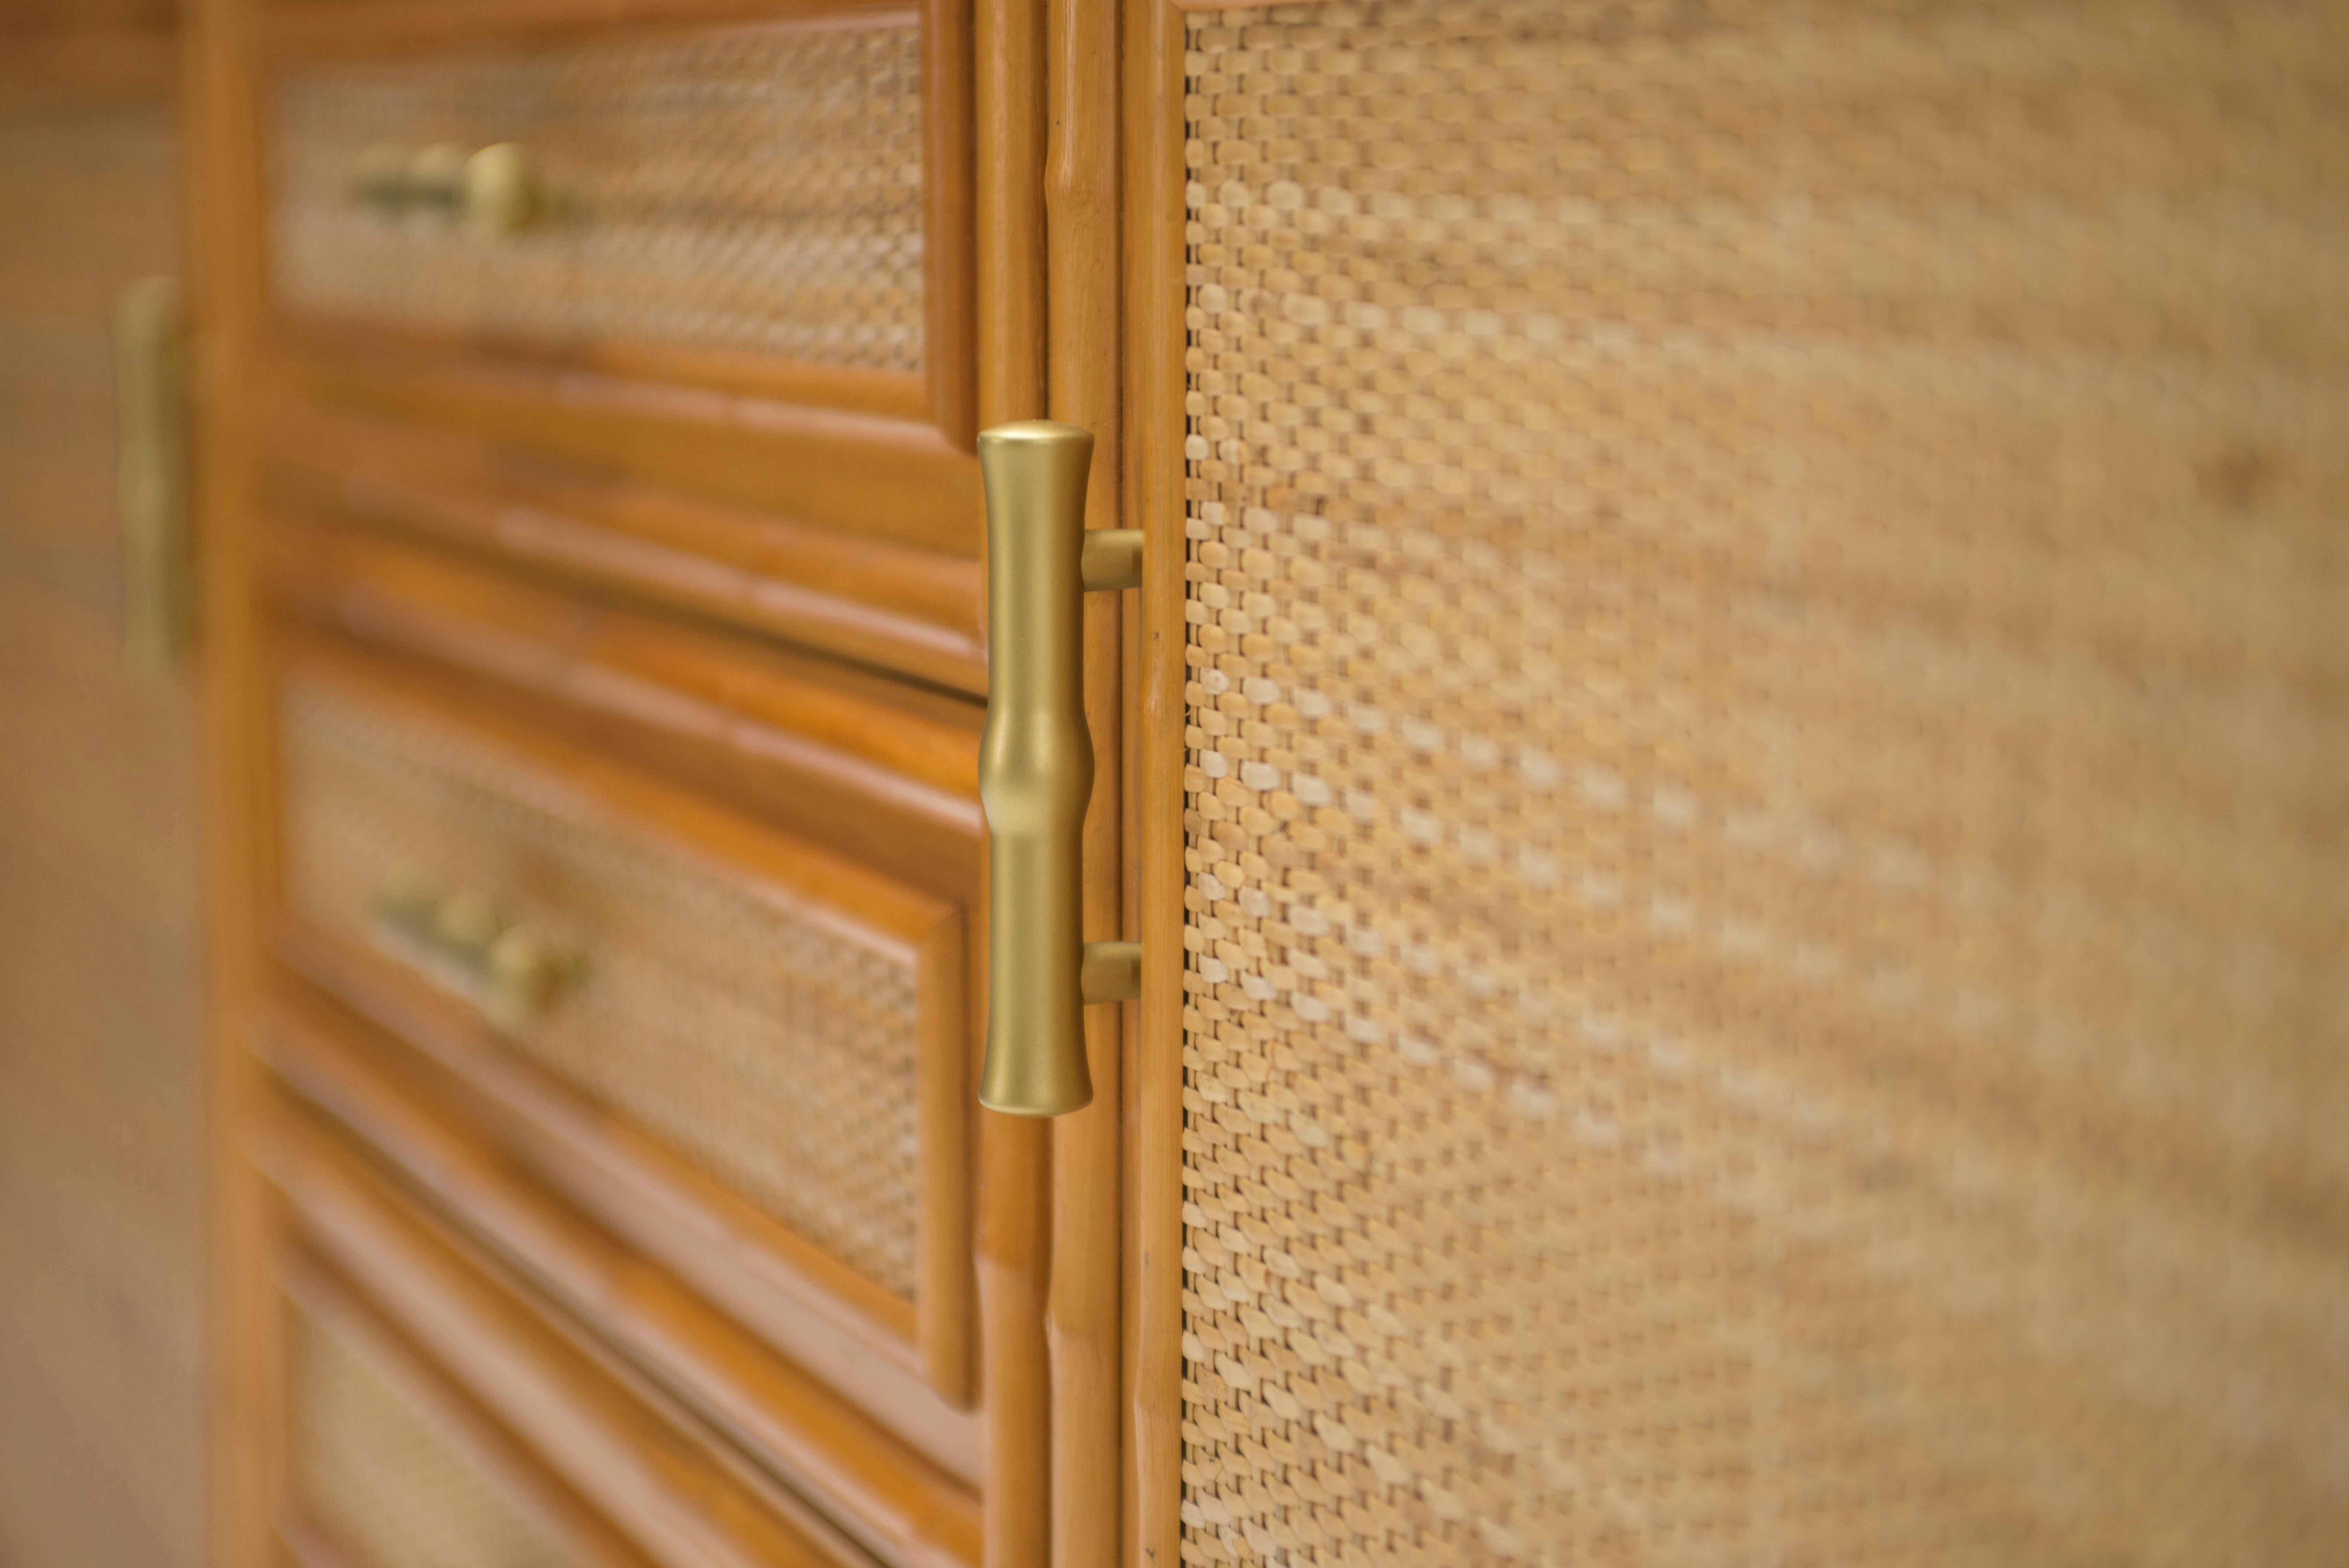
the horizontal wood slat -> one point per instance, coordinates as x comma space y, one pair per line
577, 1456
870, 768
888, 604
874, 1446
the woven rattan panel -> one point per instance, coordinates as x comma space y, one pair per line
755, 191
1770, 779
383, 1477
769, 1042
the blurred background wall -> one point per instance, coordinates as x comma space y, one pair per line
102, 1173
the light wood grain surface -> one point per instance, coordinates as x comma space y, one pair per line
101, 1101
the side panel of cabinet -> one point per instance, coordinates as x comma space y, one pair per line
1746, 964
101, 1010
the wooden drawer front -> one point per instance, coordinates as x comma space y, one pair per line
755, 192
740, 1024
390, 1481
435, 1412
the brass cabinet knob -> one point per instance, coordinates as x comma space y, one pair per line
1036, 767
494, 191
467, 943
502, 192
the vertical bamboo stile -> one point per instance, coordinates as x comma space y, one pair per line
1014, 1221
1151, 449
1081, 308
224, 300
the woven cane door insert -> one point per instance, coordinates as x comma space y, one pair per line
755, 191
771, 1040
386, 1480
1769, 973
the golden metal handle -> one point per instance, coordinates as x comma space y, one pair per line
495, 190
465, 943
1036, 767
151, 475
503, 192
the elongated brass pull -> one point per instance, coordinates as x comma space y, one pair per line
152, 473
495, 190
466, 944
502, 194
1036, 767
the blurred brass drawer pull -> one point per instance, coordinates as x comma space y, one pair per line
496, 191
464, 942
1036, 767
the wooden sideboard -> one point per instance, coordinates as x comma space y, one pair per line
593, 637
1726, 764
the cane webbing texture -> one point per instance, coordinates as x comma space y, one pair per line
756, 192
384, 1477
1769, 782
769, 1041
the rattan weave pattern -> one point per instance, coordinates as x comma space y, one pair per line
755, 191
383, 1477
1769, 738
773, 1045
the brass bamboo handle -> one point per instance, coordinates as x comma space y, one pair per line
465, 943
1036, 767
496, 191
152, 473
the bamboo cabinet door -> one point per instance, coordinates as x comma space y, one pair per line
1737, 790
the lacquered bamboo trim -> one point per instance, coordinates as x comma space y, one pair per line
910, 610
1153, 274
1015, 1208
377, 29
896, 754
224, 296
893, 395
899, 480
1010, 257
893, 1463
1081, 197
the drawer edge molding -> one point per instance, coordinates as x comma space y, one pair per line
938, 392
325, 1305
871, 1478
669, 1494
914, 755
855, 474
879, 603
